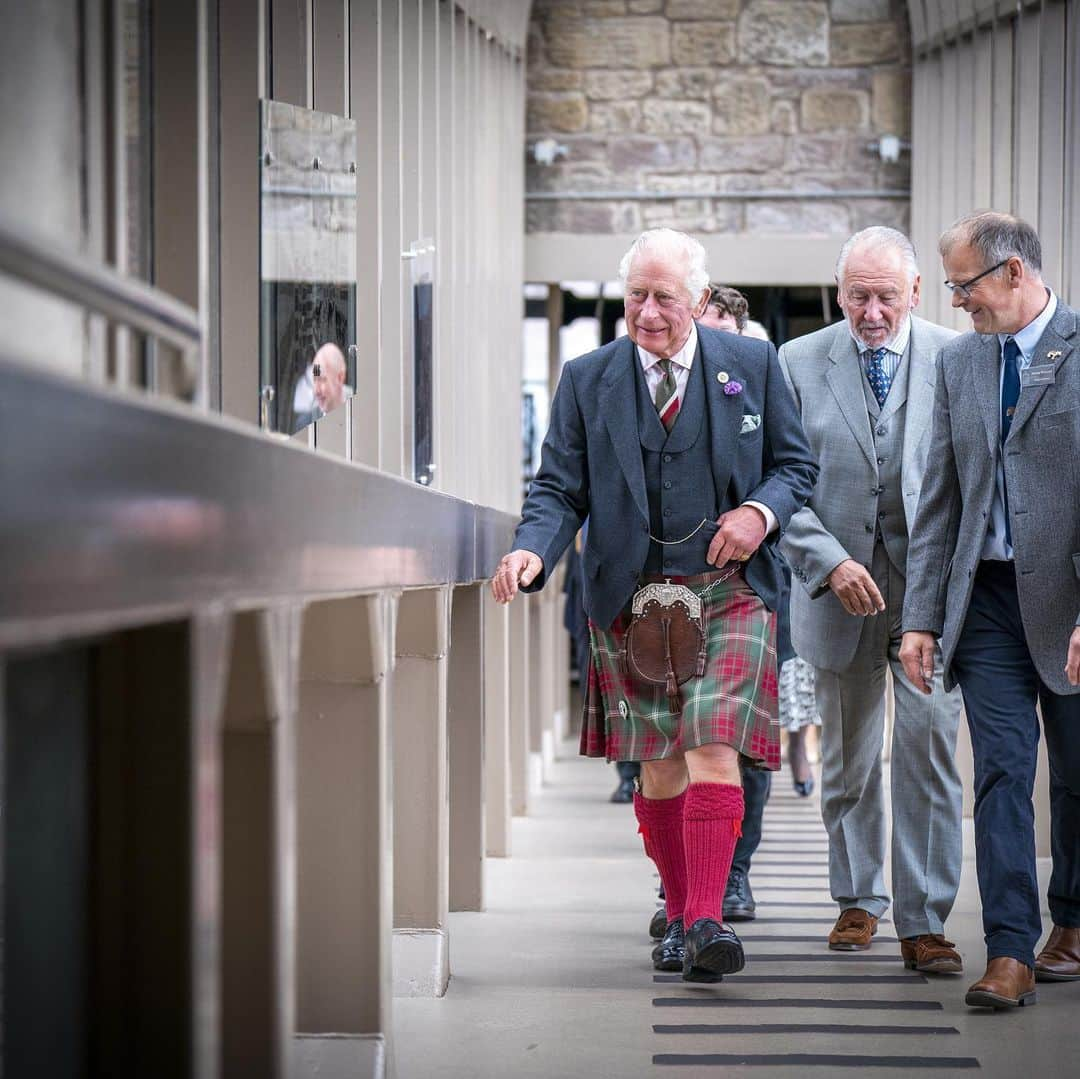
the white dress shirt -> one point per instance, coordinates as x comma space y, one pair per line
995, 545
681, 363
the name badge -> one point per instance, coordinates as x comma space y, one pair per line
1041, 375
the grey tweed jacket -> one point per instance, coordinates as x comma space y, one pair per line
826, 377
1042, 470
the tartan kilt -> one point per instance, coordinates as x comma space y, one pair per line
734, 702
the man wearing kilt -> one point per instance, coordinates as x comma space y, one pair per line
682, 446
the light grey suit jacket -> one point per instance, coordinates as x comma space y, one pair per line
1042, 469
826, 376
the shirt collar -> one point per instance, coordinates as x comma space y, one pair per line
684, 357
897, 345
1027, 338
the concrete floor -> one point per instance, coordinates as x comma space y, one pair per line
555, 980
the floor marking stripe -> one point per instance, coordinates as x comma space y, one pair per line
814, 979
795, 1028
832, 1059
858, 1004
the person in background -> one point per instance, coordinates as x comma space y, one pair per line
865, 389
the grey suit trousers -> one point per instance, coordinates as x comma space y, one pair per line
926, 791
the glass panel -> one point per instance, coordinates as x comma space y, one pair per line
308, 265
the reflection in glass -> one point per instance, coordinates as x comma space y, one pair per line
308, 265
423, 360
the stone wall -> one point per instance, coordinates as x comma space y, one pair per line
695, 99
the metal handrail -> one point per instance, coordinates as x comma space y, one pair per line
36, 260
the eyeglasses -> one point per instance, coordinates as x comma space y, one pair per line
963, 288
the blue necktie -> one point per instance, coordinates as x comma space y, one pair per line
1010, 394
876, 376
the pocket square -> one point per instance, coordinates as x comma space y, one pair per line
749, 423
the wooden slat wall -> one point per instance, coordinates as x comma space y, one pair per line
996, 107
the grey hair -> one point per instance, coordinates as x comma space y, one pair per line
672, 242
996, 236
879, 237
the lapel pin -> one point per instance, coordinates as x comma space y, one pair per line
722, 377
1053, 355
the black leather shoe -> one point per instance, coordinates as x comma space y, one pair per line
669, 953
658, 924
803, 787
623, 793
712, 950
739, 905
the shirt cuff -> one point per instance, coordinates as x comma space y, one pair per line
770, 517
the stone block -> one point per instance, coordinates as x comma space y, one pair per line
535, 52
892, 101
895, 213
702, 44
754, 153
858, 10
554, 78
686, 82
826, 109
784, 117
615, 117
660, 116
816, 152
646, 7
715, 10
691, 215
617, 85
681, 183
740, 106
629, 41
784, 32
569, 176
864, 43
649, 152
803, 217
556, 112
571, 215
604, 8
736, 182
626, 217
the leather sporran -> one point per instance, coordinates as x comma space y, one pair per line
665, 643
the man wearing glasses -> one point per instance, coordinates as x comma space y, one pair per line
865, 390
994, 576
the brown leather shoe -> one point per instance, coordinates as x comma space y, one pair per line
1059, 961
932, 954
1007, 983
853, 931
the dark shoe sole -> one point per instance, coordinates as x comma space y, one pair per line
979, 998
672, 964
716, 960
739, 914
1049, 976
843, 946
936, 966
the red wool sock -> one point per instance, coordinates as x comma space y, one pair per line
660, 822
712, 823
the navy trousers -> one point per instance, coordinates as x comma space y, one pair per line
756, 784
1000, 687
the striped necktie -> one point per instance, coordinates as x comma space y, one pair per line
667, 397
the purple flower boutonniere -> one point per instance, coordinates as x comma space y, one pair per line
732, 388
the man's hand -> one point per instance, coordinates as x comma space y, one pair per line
1072, 664
738, 537
516, 568
855, 588
917, 656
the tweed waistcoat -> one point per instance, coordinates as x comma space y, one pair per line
678, 477
887, 426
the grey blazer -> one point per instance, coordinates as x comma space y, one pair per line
825, 375
591, 465
1042, 466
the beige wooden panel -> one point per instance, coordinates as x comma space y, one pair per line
290, 52
364, 100
1001, 194
982, 119
1026, 119
1051, 164
1070, 284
